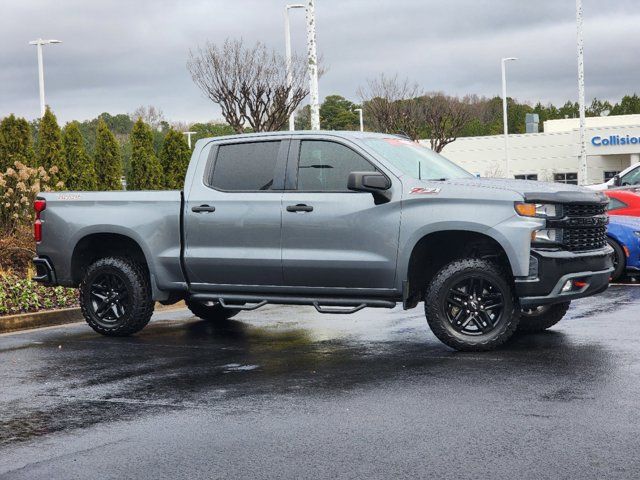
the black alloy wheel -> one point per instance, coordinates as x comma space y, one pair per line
109, 298
474, 306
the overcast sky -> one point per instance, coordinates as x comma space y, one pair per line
120, 54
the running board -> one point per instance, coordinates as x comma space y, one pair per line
349, 305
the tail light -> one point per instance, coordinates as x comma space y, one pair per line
39, 205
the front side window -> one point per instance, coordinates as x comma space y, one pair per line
631, 178
245, 166
414, 160
325, 166
615, 204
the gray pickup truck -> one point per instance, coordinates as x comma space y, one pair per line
336, 220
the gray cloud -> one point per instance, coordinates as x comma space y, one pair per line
120, 54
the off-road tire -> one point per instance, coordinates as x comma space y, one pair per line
212, 313
136, 282
620, 258
436, 299
539, 319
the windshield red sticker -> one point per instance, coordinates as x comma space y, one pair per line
424, 191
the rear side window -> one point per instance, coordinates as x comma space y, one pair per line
245, 166
325, 166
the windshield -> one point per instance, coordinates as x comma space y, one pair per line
415, 160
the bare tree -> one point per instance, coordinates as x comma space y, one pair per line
249, 83
150, 115
444, 117
400, 106
391, 105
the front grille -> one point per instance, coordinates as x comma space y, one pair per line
584, 227
580, 239
584, 210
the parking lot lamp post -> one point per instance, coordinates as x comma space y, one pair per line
39, 43
287, 46
359, 110
188, 134
504, 113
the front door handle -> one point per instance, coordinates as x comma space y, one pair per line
203, 208
301, 207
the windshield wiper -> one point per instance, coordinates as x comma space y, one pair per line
437, 179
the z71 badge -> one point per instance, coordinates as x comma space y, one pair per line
425, 191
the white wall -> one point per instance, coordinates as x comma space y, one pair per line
544, 153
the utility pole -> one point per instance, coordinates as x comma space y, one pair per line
313, 65
287, 47
505, 118
582, 159
39, 43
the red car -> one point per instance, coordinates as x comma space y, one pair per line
623, 202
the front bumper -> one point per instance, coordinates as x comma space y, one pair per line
559, 276
44, 271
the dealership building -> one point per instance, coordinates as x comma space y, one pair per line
613, 144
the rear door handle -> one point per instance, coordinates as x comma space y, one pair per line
203, 208
301, 207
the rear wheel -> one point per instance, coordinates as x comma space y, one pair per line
212, 313
537, 319
619, 260
470, 305
115, 296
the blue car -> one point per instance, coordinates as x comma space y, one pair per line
624, 236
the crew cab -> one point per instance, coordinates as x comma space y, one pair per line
336, 220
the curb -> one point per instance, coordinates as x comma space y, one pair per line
48, 318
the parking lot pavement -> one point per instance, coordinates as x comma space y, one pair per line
284, 392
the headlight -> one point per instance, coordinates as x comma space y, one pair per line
637, 234
546, 235
541, 210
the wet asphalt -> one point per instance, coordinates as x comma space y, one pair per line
284, 392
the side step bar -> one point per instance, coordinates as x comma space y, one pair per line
349, 305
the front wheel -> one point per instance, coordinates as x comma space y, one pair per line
537, 319
115, 296
470, 305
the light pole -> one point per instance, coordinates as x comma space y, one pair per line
39, 43
359, 110
287, 47
504, 113
582, 161
313, 65
188, 134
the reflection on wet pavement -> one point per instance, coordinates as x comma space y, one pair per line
69, 378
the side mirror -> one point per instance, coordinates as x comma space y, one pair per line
373, 182
617, 181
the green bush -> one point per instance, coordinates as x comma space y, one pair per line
18, 295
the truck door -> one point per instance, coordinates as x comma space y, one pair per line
331, 236
232, 216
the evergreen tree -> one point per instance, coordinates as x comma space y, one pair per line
108, 159
174, 157
82, 174
146, 171
15, 142
50, 151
